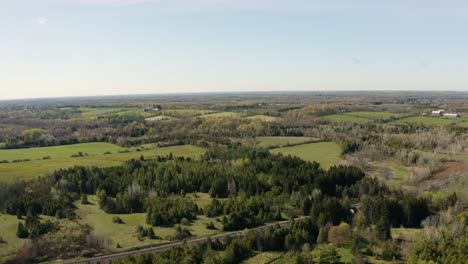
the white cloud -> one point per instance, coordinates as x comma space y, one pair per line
42, 20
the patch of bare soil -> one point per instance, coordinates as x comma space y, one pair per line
449, 169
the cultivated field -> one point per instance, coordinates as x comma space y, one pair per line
326, 153
31, 169
277, 142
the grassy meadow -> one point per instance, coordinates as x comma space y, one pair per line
221, 114
31, 169
65, 151
372, 115
397, 173
276, 142
345, 118
326, 153
427, 121
159, 118
127, 236
94, 113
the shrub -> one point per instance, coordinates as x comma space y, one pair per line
185, 221
210, 226
46, 157
22, 231
117, 220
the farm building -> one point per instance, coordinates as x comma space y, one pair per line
451, 115
444, 114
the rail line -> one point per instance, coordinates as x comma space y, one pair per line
170, 245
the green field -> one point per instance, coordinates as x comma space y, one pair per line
427, 120
345, 118
264, 118
221, 114
264, 258
372, 115
276, 142
8, 227
463, 124
397, 173
126, 236
186, 112
65, 151
35, 168
326, 153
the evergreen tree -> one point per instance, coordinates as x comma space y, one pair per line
22, 232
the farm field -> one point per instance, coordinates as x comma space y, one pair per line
345, 118
326, 153
264, 118
427, 120
276, 142
31, 169
372, 115
221, 114
65, 151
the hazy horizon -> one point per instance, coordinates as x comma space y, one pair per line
74, 48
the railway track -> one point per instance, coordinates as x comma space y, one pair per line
168, 246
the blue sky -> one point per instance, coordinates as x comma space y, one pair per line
51, 48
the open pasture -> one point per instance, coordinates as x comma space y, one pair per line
64, 151
345, 118
372, 115
427, 121
276, 142
186, 112
127, 236
31, 169
325, 153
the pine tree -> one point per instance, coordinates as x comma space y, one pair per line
22, 231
